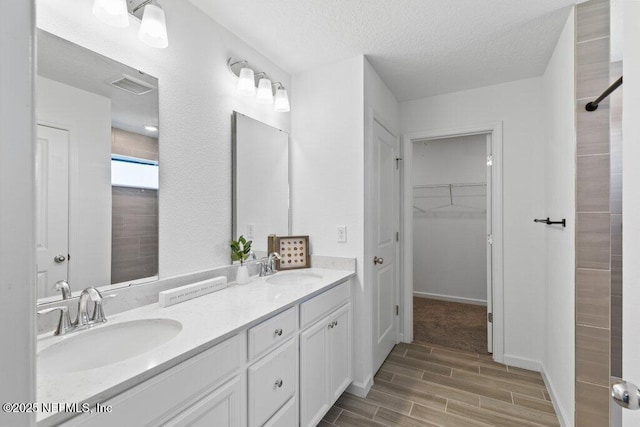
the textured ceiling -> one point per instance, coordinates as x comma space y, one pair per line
73, 65
419, 47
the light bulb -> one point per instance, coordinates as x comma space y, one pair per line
153, 28
265, 93
112, 12
281, 103
247, 82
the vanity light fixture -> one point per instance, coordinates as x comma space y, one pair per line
151, 128
281, 103
246, 82
153, 24
265, 91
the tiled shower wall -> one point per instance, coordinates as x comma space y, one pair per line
593, 216
134, 238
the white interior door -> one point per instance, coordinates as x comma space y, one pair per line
384, 226
489, 247
631, 204
52, 208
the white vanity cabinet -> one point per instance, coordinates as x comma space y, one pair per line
285, 371
325, 352
206, 386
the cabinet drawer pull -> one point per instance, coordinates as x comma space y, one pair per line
279, 383
330, 325
278, 332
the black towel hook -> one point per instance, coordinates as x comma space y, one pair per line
549, 222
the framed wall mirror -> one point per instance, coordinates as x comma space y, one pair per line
97, 167
261, 204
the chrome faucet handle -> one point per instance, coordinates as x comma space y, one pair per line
63, 286
98, 313
264, 266
64, 324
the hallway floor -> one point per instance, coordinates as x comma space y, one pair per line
450, 324
430, 385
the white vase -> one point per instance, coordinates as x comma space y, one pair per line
242, 276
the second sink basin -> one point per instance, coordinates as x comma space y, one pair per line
106, 345
294, 278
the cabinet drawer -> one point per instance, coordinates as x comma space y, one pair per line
170, 392
323, 304
285, 417
272, 332
272, 381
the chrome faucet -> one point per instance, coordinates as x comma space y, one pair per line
268, 264
63, 286
97, 316
85, 318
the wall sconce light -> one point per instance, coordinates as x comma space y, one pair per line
264, 94
281, 102
265, 89
153, 25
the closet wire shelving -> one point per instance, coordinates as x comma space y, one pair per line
444, 197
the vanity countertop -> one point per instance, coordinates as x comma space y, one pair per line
206, 321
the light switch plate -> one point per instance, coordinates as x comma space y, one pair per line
250, 231
342, 234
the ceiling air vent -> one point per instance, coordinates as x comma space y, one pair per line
131, 84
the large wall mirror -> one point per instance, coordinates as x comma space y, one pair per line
260, 181
96, 170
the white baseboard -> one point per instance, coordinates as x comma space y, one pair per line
565, 421
361, 389
449, 298
521, 362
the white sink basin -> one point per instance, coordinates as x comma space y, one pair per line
106, 345
294, 278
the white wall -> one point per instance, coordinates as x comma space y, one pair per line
197, 96
450, 242
518, 105
87, 117
327, 173
631, 201
17, 198
559, 184
332, 108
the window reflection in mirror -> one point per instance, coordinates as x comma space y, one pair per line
96, 170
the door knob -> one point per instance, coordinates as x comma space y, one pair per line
59, 259
377, 260
626, 395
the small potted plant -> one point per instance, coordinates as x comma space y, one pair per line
240, 251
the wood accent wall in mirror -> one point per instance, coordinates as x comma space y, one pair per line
260, 181
96, 170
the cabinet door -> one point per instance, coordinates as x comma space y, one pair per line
340, 352
219, 408
314, 373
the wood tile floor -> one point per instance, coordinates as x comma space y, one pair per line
428, 385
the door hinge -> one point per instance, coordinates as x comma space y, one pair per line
490, 239
489, 160
490, 317
397, 236
398, 160
397, 310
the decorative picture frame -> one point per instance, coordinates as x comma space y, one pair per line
294, 252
